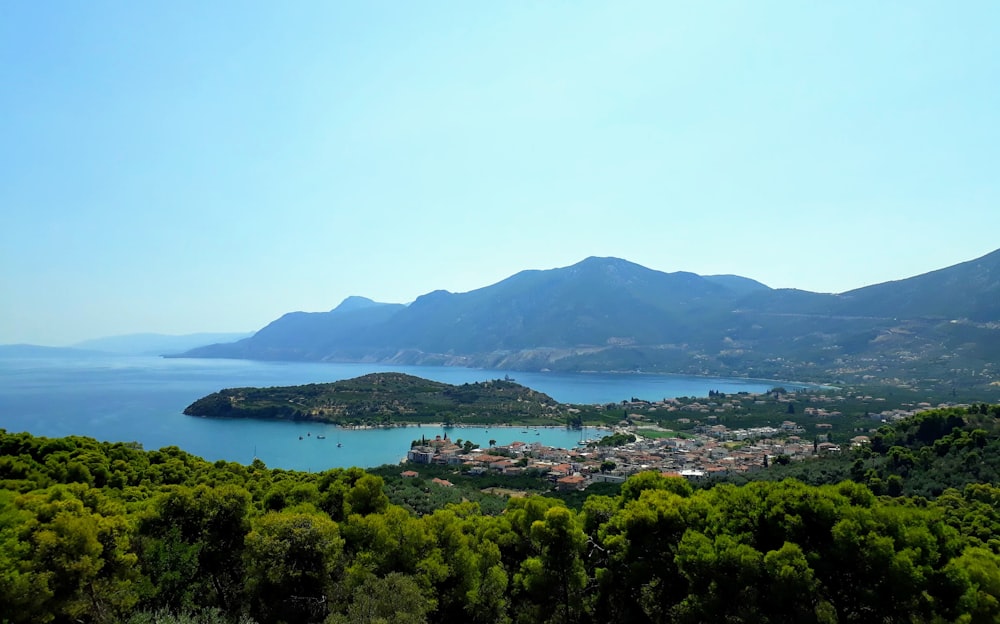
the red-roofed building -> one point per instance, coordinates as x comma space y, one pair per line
572, 482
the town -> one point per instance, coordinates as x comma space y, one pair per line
697, 445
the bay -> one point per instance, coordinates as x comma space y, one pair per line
137, 398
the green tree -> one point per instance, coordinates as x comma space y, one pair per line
554, 577
292, 560
724, 577
366, 496
209, 523
976, 577
77, 562
393, 599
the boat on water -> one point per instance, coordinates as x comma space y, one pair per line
339, 445
320, 437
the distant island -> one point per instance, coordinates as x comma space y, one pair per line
937, 332
390, 399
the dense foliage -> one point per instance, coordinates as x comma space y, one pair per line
101, 532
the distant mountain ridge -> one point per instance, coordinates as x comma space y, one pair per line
156, 344
127, 344
39, 351
608, 314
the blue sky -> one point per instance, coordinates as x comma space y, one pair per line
179, 167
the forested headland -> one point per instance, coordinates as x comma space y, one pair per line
387, 399
108, 532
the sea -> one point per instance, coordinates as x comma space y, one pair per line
121, 398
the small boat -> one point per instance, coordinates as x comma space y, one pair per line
300, 437
320, 437
339, 445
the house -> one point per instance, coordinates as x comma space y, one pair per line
602, 477
693, 474
420, 455
442, 482
563, 469
828, 447
572, 482
501, 465
409, 474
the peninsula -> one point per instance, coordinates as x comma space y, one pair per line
388, 399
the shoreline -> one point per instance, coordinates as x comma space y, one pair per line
463, 426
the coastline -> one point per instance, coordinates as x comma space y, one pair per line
441, 425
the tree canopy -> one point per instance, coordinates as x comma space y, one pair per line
103, 532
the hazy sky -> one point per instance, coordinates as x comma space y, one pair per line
207, 166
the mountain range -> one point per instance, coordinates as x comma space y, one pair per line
156, 344
127, 344
606, 314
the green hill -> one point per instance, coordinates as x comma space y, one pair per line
386, 399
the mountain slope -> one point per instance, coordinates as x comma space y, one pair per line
611, 314
596, 302
970, 290
308, 335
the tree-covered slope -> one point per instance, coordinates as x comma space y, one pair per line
924, 455
99, 532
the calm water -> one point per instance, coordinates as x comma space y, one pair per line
125, 398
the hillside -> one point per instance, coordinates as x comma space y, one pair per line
940, 329
309, 335
383, 399
925, 455
107, 532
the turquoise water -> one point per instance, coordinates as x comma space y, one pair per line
126, 398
